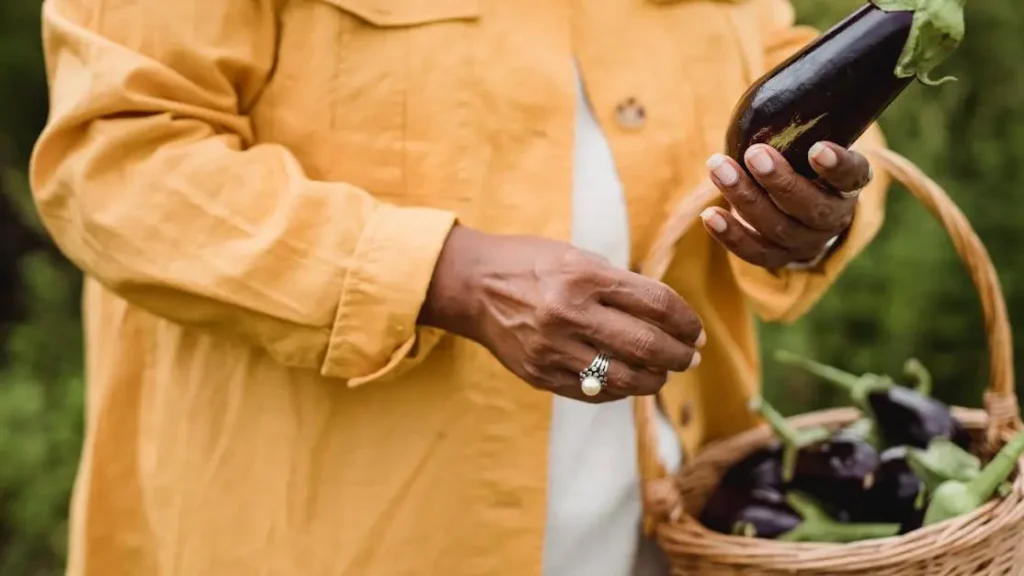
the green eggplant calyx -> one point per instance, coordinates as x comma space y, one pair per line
793, 439
954, 498
818, 526
866, 430
745, 529
922, 494
858, 388
915, 369
943, 460
937, 30
1005, 489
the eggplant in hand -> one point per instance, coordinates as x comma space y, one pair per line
837, 86
905, 417
837, 469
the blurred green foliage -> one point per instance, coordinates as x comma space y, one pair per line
908, 295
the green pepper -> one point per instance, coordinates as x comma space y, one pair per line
818, 526
955, 498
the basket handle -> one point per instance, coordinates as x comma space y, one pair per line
661, 503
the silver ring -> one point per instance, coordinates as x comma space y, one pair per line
851, 194
595, 377
855, 193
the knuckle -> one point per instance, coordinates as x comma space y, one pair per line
690, 324
644, 345
536, 351
580, 266
782, 233
822, 215
783, 182
555, 310
533, 373
622, 377
658, 299
745, 194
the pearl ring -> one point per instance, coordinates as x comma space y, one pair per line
595, 377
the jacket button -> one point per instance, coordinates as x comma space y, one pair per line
685, 413
630, 114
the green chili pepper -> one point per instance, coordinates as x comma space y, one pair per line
954, 498
818, 526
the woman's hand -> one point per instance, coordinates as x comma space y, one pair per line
546, 309
784, 218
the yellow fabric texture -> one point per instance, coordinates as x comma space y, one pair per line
257, 191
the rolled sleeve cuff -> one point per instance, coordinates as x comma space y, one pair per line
375, 333
786, 295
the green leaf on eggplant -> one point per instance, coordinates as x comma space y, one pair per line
936, 32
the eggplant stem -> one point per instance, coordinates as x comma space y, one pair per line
915, 369
793, 439
998, 470
818, 526
857, 387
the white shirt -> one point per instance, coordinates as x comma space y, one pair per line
594, 508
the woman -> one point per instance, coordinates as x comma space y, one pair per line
331, 244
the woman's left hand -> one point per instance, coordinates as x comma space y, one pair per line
784, 218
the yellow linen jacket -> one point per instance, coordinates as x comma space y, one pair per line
257, 191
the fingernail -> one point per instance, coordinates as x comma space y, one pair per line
702, 339
760, 161
823, 155
714, 220
722, 170
695, 361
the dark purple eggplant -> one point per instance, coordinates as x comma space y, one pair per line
905, 417
897, 495
837, 86
914, 419
741, 510
751, 491
836, 469
839, 472
760, 469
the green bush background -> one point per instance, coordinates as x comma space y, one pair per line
908, 295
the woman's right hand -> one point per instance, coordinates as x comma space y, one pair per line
545, 309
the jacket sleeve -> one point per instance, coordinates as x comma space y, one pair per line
784, 296
149, 179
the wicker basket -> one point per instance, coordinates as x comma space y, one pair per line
988, 541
